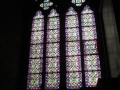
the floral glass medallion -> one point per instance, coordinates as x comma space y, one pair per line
46, 4
78, 2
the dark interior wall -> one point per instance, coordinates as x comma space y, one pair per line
11, 26
116, 7
112, 38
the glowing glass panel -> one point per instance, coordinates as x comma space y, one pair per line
91, 78
88, 19
37, 37
72, 48
72, 21
71, 11
53, 36
91, 62
53, 51
53, 23
52, 81
73, 63
72, 34
89, 33
38, 24
91, 57
73, 58
35, 65
36, 53
74, 80
86, 10
34, 81
54, 14
38, 16
90, 47
52, 64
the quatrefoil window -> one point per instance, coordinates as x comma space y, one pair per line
46, 4
78, 2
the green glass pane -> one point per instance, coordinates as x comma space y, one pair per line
36, 51
74, 80
78, 1
91, 62
52, 81
34, 81
52, 50
46, 4
35, 65
52, 65
91, 78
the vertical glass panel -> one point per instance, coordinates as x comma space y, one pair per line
35, 65
74, 80
52, 64
36, 51
91, 62
53, 23
53, 14
86, 10
38, 16
91, 57
52, 81
52, 50
88, 19
73, 63
89, 33
34, 81
72, 34
90, 47
37, 37
38, 24
71, 11
53, 36
73, 58
91, 78
72, 48
72, 21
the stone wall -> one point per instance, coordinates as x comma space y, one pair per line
112, 39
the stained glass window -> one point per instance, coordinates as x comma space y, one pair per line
81, 49
46, 4
53, 51
73, 55
78, 2
91, 57
36, 53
